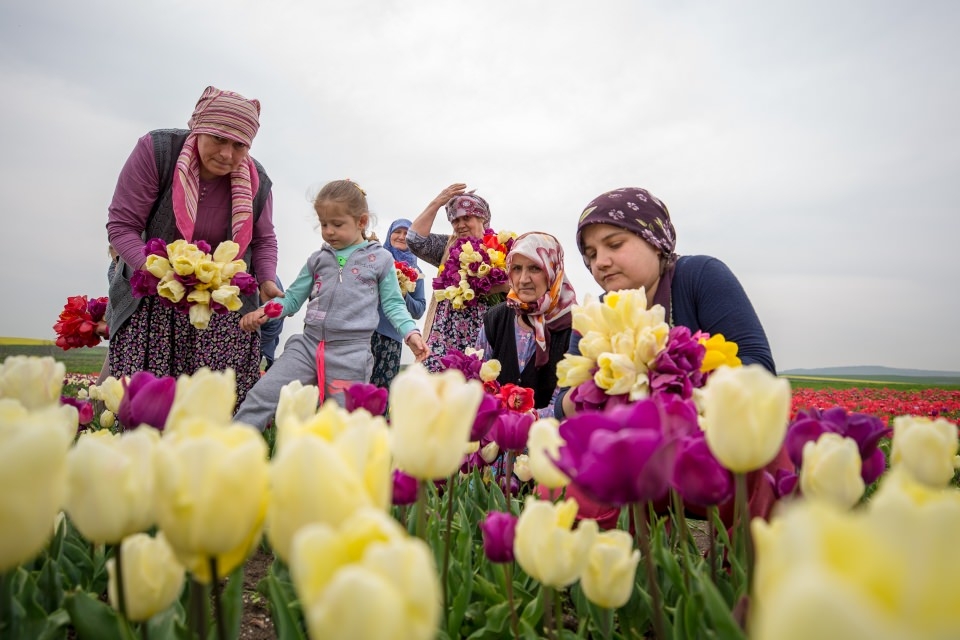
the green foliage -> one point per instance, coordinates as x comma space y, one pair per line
82, 360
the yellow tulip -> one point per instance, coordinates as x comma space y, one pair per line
152, 577
319, 480
158, 266
230, 269
490, 451
226, 251
107, 419
618, 374
925, 447
887, 570
229, 296
211, 493
545, 545
201, 296
206, 396
831, 471
544, 443
745, 413
206, 270
111, 392
171, 288
490, 370
185, 264
608, 577
594, 344
33, 474
719, 352
431, 418
573, 370
34, 382
521, 468
200, 315
367, 579
110, 481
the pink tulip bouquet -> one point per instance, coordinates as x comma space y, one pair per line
474, 267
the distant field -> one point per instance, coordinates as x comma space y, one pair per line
860, 382
83, 360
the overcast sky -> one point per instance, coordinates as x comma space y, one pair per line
812, 146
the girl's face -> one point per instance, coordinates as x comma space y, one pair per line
468, 226
219, 156
338, 228
399, 238
619, 259
527, 279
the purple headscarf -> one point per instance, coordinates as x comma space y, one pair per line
639, 211
469, 204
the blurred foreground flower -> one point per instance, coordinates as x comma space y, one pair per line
547, 547
925, 447
831, 471
365, 579
34, 382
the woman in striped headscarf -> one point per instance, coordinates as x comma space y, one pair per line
198, 184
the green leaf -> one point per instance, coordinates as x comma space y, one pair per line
92, 619
718, 612
286, 616
533, 611
171, 623
55, 627
49, 586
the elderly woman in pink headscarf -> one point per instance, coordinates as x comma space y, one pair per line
447, 328
198, 184
530, 332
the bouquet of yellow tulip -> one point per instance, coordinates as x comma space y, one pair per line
188, 278
475, 266
629, 352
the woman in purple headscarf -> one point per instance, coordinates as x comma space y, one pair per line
198, 184
447, 328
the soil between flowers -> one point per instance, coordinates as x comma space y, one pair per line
256, 623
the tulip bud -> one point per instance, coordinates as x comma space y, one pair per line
831, 471
745, 413
925, 447
608, 577
152, 577
544, 444
521, 468
697, 475
111, 392
431, 417
147, 400
404, 488
107, 419
498, 534
511, 430
366, 396
489, 452
33, 474
490, 370
547, 547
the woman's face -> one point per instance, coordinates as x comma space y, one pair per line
527, 279
619, 259
398, 238
219, 156
468, 226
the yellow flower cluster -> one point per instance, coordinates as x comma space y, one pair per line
621, 339
214, 273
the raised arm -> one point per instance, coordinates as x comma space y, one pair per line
424, 222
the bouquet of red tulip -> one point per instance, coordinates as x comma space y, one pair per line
407, 276
188, 278
77, 325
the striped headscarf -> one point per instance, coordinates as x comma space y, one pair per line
468, 204
552, 309
227, 115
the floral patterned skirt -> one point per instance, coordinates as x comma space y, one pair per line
161, 340
386, 359
453, 329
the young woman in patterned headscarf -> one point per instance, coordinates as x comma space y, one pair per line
446, 328
197, 184
530, 332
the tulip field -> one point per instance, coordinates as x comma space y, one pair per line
139, 509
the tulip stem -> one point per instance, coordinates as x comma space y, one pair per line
422, 510
451, 489
508, 579
121, 591
606, 623
684, 534
144, 631
642, 523
743, 524
548, 628
712, 536
198, 608
508, 480
217, 608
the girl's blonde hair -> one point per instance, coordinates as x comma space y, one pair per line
348, 194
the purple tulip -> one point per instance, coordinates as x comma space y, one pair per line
784, 482
487, 414
587, 396
146, 400
245, 282
619, 457
203, 245
96, 307
469, 366
677, 368
404, 488
366, 396
143, 283
867, 431
83, 407
498, 532
511, 429
472, 461
699, 478
156, 247
514, 485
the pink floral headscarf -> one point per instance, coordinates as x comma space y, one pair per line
227, 115
552, 310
